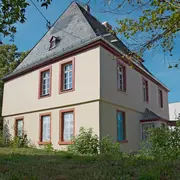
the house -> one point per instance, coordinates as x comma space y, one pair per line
80, 74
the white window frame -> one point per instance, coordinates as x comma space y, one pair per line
46, 128
145, 133
68, 126
19, 132
45, 83
68, 76
121, 77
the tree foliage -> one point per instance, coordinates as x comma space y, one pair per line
13, 11
9, 59
148, 23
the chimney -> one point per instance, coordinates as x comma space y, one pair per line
87, 8
107, 25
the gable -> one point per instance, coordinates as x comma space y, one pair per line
72, 28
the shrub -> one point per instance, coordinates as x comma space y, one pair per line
1, 139
107, 147
48, 148
85, 142
165, 143
18, 142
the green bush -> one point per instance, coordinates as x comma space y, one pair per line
1, 139
48, 148
18, 142
85, 142
88, 143
107, 147
164, 143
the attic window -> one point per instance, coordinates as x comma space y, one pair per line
54, 42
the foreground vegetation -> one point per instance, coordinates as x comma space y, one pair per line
91, 159
41, 165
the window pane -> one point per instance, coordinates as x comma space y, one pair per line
67, 77
145, 90
45, 82
68, 126
45, 128
121, 78
145, 130
19, 128
120, 126
70, 85
70, 74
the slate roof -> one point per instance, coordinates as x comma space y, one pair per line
149, 115
75, 27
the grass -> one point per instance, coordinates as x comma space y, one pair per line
33, 164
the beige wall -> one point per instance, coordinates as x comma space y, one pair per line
133, 98
21, 94
108, 125
86, 115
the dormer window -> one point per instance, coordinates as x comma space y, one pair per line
54, 42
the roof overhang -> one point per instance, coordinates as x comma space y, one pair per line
84, 46
154, 120
170, 123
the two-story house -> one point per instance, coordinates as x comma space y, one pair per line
78, 75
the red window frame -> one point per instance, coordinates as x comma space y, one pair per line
124, 126
160, 97
147, 90
61, 75
124, 76
61, 126
16, 123
40, 142
49, 68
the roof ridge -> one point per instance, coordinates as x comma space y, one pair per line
86, 13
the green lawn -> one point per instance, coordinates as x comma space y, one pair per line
32, 164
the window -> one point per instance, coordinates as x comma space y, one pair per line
120, 126
45, 128
145, 90
45, 82
121, 77
66, 126
19, 127
67, 76
145, 130
160, 98
54, 41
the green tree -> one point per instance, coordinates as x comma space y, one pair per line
9, 59
13, 11
147, 24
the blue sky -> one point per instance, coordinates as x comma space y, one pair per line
28, 35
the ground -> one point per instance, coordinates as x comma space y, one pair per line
33, 164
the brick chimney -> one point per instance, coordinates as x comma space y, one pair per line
107, 25
87, 8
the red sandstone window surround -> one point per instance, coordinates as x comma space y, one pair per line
45, 128
160, 97
145, 90
67, 76
121, 77
19, 127
45, 82
67, 126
